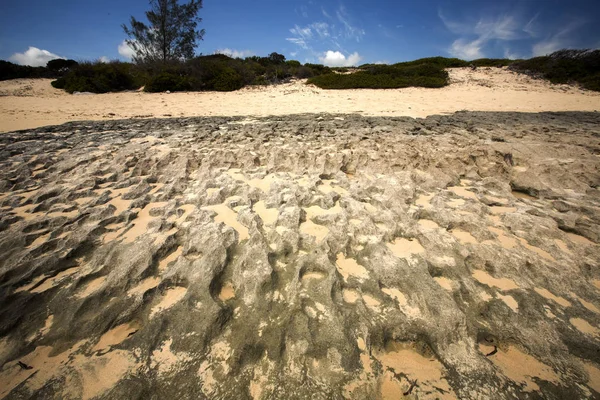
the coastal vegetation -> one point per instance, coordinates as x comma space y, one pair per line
219, 72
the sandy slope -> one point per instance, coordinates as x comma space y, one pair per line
33, 103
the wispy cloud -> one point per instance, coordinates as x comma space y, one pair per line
318, 38
350, 31
33, 57
532, 26
558, 40
475, 36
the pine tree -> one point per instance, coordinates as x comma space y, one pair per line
171, 34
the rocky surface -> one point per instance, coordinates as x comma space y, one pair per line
308, 256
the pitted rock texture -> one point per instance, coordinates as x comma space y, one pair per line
307, 256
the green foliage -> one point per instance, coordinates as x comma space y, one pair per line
100, 78
61, 66
491, 62
168, 81
385, 77
565, 66
171, 34
9, 70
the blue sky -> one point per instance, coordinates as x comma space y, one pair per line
332, 32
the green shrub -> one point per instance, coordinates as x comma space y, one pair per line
227, 80
385, 77
168, 81
100, 78
9, 70
565, 66
491, 62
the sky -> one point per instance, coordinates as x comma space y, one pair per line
331, 32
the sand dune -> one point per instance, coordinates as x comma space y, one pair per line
30, 103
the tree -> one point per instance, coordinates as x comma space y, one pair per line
171, 34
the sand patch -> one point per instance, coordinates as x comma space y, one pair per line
371, 301
424, 200
579, 239
502, 210
593, 376
548, 295
310, 276
166, 360
187, 210
524, 196
144, 286
168, 300
463, 236
140, 224
537, 250
310, 228
227, 292
316, 211
164, 263
400, 298
405, 248
445, 283
428, 225
584, 327
92, 287
350, 296
229, 217
28, 286
55, 280
268, 215
510, 302
402, 358
501, 283
521, 368
455, 203
562, 246
328, 187
39, 240
115, 336
348, 267
505, 241
463, 192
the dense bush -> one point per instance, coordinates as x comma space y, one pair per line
9, 70
385, 77
101, 78
565, 66
491, 62
168, 81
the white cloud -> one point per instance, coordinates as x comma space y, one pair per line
337, 59
104, 59
325, 13
126, 51
468, 50
235, 53
33, 57
382, 62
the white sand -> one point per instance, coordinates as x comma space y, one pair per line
28, 103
